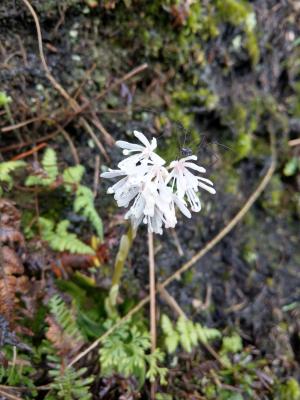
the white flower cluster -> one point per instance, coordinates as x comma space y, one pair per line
154, 190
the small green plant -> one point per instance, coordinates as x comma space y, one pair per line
126, 352
49, 172
4, 99
21, 374
6, 169
69, 384
289, 390
60, 239
186, 333
70, 179
64, 318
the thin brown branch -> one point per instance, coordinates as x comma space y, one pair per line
96, 175
294, 142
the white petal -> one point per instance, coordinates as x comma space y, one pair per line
157, 159
208, 188
184, 159
194, 166
129, 161
205, 180
129, 146
182, 207
142, 138
112, 173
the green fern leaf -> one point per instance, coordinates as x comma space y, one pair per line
50, 169
72, 176
65, 318
84, 203
70, 384
206, 334
62, 240
6, 168
49, 164
184, 332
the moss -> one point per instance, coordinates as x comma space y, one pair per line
272, 198
240, 13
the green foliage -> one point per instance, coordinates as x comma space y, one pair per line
84, 203
49, 173
186, 333
20, 374
4, 99
291, 167
232, 344
73, 176
289, 390
60, 239
125, 352
6, 168
70, 180
69, 384
65, 318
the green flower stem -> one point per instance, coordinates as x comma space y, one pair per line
125, 245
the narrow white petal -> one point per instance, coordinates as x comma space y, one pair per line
182, 207
142, 138
184, 159
194, 166
208, 188
157, 159
129, 146
113, 173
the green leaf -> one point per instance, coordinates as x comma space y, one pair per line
4, 99
60, 239
6, 168
206, 334
232, 344
49, 164
84, 203
183, 329
166, 325
49, 171
172, 342
291, 167
72, 176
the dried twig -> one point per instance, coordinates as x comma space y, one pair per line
8, 395
96, 175
294, 142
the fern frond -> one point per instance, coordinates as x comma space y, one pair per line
125, 352
60, 239
84, 203
65, 318
72, 176
70, 384
154, 370
186, 333
6, 168
50, 169
49, 163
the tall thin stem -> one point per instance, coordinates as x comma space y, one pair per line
152, 301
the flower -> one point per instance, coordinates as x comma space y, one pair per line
187, 183
145, 152
144, 185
